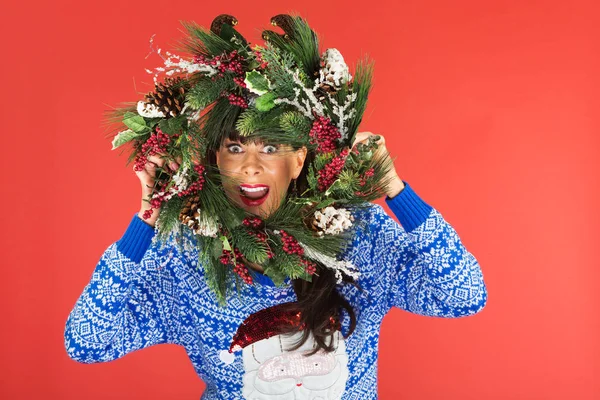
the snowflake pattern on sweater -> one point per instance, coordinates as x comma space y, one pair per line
142, 294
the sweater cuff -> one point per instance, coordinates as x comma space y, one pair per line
136, 239
409, 208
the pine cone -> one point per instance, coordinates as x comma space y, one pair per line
169, 96
189, 213
333, 73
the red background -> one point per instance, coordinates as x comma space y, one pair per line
490, 107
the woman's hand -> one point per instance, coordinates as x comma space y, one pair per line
395, 185
147, 177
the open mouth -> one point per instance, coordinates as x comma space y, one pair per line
253, 195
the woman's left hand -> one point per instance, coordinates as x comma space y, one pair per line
395, 185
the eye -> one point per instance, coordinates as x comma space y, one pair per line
269, 148
234, 148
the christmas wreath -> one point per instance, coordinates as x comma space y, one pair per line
284, 92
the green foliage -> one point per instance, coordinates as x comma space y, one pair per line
257, 82
266, 101
191, 145
290, 72
169, 217
136, 123
228, 33
279, 70
205, 91
172, 126
362, 83
213, 201
201, 41
304, 45
253, 249
216, 276
218, 122
253, 120
123, 137
290, 217
295, 124
311, 177
287, 264
250, 120
275, 274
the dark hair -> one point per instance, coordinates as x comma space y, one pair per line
317, 301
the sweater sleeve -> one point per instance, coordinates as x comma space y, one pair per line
423, 266
130, 303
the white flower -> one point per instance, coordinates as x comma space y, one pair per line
149, 110
332, 221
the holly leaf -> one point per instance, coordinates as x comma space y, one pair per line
265, 102
123, 137
226, 244
257, 82
135, 122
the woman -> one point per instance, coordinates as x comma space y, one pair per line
316, 334
140, 295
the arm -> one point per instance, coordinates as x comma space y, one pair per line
425, 267
130, 303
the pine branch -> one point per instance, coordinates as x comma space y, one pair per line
253, 121
218, 122
288, 264
217, 276
201, 41
361, 85
206, 91
279, 70
296, 125
169, 217
304, 45
251, 247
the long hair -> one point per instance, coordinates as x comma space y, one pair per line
318, 301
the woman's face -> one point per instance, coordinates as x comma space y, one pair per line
261, 173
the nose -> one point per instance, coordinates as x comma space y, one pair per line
251, 164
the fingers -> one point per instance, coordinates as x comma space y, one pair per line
161, 160
363, 137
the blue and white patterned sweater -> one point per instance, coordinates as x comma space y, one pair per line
142, 294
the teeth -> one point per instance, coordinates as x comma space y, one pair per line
245, 189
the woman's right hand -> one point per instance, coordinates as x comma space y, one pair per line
147, 178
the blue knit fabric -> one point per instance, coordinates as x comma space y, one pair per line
142, 294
